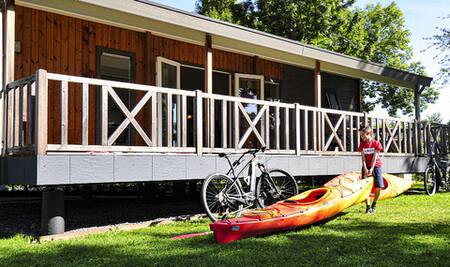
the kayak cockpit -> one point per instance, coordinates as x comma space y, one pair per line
309, 197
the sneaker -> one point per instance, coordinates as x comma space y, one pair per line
373, 210
368, 210
374, 207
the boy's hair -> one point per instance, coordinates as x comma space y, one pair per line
366, 129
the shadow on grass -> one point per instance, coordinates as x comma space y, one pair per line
358, 243
6, 235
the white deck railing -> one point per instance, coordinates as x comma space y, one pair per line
219, 123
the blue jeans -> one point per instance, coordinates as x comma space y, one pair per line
377, 177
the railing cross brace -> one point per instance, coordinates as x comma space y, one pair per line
129, 117
252, 125
392, 134
334, 133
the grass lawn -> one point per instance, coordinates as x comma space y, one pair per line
412, 229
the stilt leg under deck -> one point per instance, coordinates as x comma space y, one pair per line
52, 214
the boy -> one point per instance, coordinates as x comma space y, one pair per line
370, 156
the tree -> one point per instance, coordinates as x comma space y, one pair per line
441, 43
374, 33
435, 118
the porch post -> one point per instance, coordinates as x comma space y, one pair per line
318, 103
359, 95
317, 85
208, 84
41, 112
208, 65
2, 102
8, 40
417, 114
417, 92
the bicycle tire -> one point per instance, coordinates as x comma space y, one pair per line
216, 201
430, 181
447, 180
265, 196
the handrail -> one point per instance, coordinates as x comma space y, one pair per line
184, 121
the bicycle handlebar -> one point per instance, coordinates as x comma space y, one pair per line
238, 161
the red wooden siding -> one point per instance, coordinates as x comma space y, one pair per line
66, 45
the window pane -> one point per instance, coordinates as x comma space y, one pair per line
169, 75
115, 67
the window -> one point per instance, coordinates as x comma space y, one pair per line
116, 65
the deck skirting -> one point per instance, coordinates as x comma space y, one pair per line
66, 169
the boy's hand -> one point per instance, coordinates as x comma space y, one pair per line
371, 171
366, 171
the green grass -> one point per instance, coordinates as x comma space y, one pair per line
412, 229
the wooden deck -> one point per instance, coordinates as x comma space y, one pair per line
219, 123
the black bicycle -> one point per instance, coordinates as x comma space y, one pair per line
437, 175
227, 195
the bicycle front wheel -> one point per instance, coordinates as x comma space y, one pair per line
220, 197
430, 181
275, 186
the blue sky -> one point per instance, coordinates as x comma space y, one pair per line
421, 18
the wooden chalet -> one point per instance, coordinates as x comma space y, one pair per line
101, 91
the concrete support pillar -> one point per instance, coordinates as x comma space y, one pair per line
52, 213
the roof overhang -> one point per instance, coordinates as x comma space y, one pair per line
142, 15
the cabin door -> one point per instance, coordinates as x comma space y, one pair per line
168, 76
249, 86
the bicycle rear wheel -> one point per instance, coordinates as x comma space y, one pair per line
447, 180
430, 181
220, 197
278, 186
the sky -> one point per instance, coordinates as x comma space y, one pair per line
421, 18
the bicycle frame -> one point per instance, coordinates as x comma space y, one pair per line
235, 195
251, 164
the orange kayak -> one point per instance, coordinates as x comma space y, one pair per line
306, 208
394, 186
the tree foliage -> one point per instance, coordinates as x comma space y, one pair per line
435, 118
441, 43
375, 33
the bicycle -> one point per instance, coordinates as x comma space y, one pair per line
224, 195
437, 174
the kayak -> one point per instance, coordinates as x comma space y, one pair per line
303, 209
306, 208
394, 186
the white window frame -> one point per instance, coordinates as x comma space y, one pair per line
238, 76
159, 61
